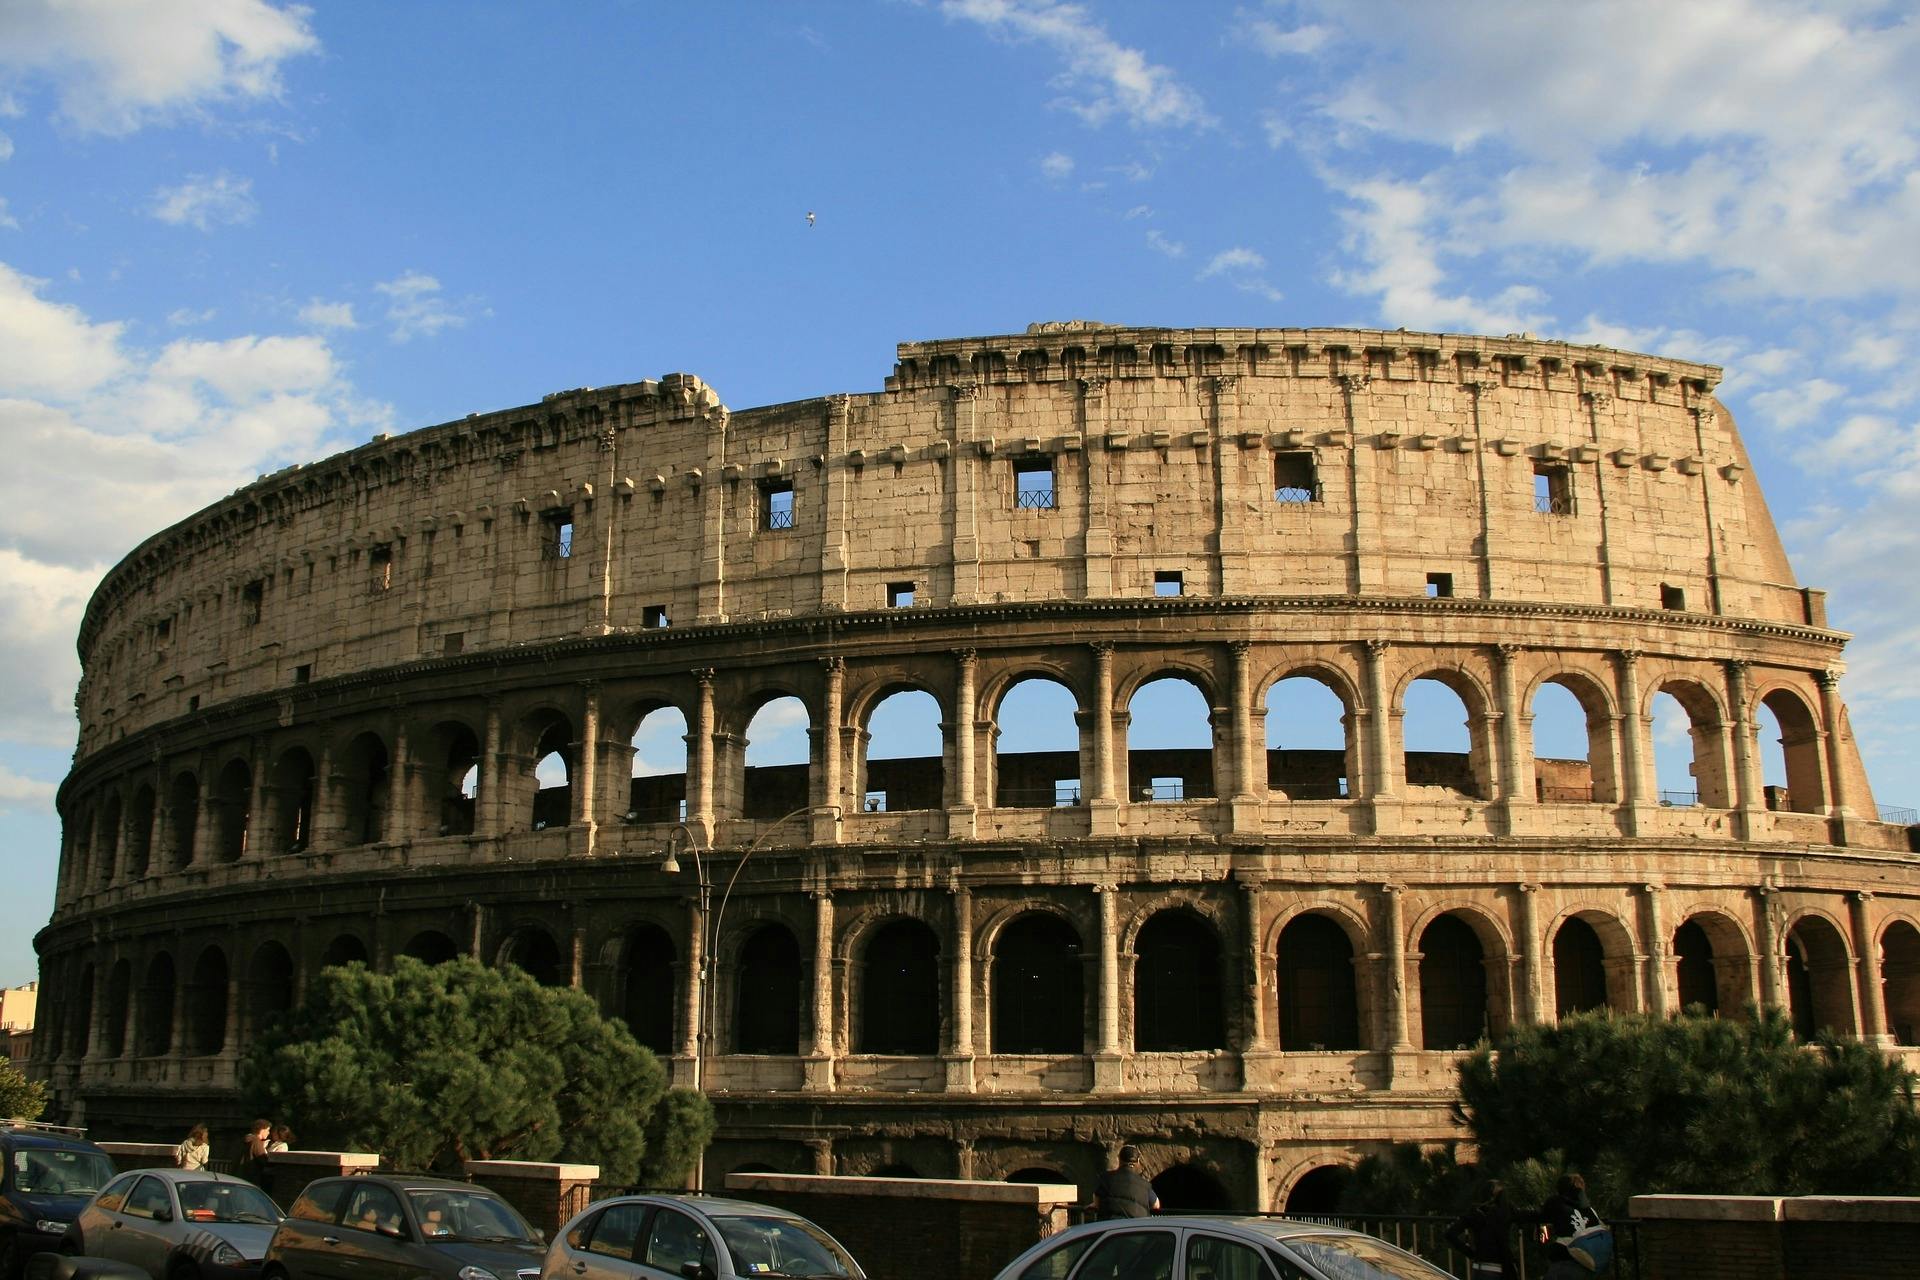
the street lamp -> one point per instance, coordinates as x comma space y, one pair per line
709, 934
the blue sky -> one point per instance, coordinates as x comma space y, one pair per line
237, 234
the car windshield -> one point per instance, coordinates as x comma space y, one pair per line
1358, 1257
782, 1247
226, 1202
450, 1214
48, 1171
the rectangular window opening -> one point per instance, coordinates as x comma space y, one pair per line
558, 542
1168, 582
193, 703
776, 504
253, 598
1165, 789
163, 630
1672, 597
899, 595
1295, 478
1033, 484
303, 673
653, 617
1439, 585
380, 566
1552, 489
453, 642
1066, 792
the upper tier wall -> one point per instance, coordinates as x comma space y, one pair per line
1420, 456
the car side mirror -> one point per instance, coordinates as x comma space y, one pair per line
161, 1213
696, 1271
392, 1232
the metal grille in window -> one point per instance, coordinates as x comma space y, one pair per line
559, 543
777, 519
1034, 499
1552, 491
1297, 493
1553, 504
1033, 487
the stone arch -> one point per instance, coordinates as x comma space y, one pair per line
1900, 980
1049, 712
1317, 1191
345, 948
1801, 749
1040, 1175
1712, 963
154, 1019
447, 764
1819, 968
1169, 772
551, 765
106, 846
183, 819
364, 776
431, 946
1319, 999
230, 810
768, 785
1179, 985
80, 1016
1555, 780
531, 948
649, 979
899, 1004
290, 802
885, 777
1455, 1009
119, 1006
206, 1004
1592, 962
1036, 979
1305, 764
1707, 730
1469, 773
657, 773
140, 832
767, 992
1188, 1188
268, 988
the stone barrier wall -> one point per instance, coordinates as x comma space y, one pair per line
1777, 1238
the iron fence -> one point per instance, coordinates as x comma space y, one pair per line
1296, 493
1679, 799
1426, 1235
1034, 499
1905, 817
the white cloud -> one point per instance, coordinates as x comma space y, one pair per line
1104, 78
1799, 403
1243, 268
6, 147
117, 65
187, 317
48, 348
20, 794
1057, 166
1160, 244
329, 315
7, 220
415, 307
203, 201
1275, 40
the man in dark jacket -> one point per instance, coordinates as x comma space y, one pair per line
1566, 1212
1485, 1234
1123, 1192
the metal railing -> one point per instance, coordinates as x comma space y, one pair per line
1034, 500
1426, 1236
1905, 817
1296, 493
1038, 797
779, 519
1553, 504
1679, 799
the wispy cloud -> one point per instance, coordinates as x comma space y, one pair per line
1160, 244
1056, 166
1243, 268
415, 307
204, 202
329, 315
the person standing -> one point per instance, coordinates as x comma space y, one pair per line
257, 1138
1123, 1191
1485, 1234
193, 1153
1567, 1212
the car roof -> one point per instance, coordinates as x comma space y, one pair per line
412, 1182
194, 1175
55, 1141
712, 1206
1279, 1229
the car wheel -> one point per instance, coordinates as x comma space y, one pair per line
183, 1270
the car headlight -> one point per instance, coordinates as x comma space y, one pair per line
228, 1256
51, 1226
477, 1273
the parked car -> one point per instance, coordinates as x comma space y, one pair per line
178, 1224
46, 1175
671, 1237
1172, 1247
401, 1227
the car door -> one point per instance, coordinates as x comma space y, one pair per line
145, 1233
673, 1239
1143, 1254
606, 1246
308, 1239
1211, 1257
375, 1242
101, 1218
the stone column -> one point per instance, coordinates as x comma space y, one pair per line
1767, 938
1104, 808
1634, 755
1839, 801
586, 767
961, 801
257, 800
700, 818
826, 815
205, 828
1658, 971
1248, 783
1527, 933
1107, 1075
1379, 715
960, 1050
1513, 761
476, 933
230, 1033
1866, 946
488, 812
1748, 799
819, 1065
693, 1028
400, 802
1256, 1001
1390, 928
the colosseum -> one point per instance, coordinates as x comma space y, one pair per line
388, 703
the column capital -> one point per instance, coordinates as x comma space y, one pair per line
703, 676
1390, 889
1828, 680
1240, 648
1599, 400
1737, 669
1355, 383
1101, 648
1376, 647
1093, 386
1651, 889
833, 664
1507, 651
1106, 886
1628, 658
1222, 383
963, 390
1526, 887
589, 686
965, 656
1862, 896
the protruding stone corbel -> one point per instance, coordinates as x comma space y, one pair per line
1732, 471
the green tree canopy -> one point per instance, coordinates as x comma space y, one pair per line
20, 1098
432, 1065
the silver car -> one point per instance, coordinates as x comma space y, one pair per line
177, 1224
669, 1237
1171, 1247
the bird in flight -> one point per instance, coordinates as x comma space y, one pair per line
809, 217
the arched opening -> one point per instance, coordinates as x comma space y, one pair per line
140, 832
1572, 744
1790, 754
78, 849
231, 805
1699, 986
1819, 971
1453, 985
1579, 969
1689, 747
1040, 716
343, 950
553, 767
119, 993
431, 946
155, 1018
778, 777
183, 820
1169, 732
365, 786
648, 981
206, 1004
1177, 1002
450, 781
1040, 1175
1443, 748
533, 951
1039, 1005
658, 789
767, 1001
1182, 1188
269, 986
1900, 981
1308, 752
291, 797
80, 1015
1317, 1193
900, 990
106, 841
900, 765
1319, 1009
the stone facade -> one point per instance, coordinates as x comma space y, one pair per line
311, 717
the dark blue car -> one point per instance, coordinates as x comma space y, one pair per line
49, 1174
